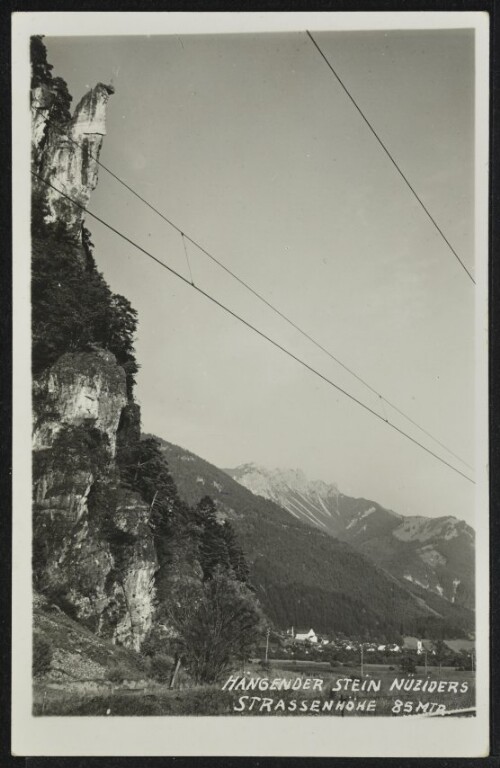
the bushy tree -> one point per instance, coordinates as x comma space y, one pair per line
215, 622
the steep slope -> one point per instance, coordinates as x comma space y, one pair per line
303, 575
77, 653
437, 554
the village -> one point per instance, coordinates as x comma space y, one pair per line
306, 644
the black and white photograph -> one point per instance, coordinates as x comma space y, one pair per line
251, 337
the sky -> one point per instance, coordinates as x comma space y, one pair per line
249, 144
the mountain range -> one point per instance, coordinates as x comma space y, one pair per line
435, 553
303, 574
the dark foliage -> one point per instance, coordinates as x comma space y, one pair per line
216, 621
181, 533
162, 667
218, 545
41, 70
144, 470
41, 75
42, 656
200, 582
72, 305
81, 447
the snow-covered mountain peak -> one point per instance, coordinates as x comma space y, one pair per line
314, 501
431, 552
272, 482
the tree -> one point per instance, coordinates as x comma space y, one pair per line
237, 559
40, 68
215, 621
213, 545
41, 75
441, 650
60, 109
218, 545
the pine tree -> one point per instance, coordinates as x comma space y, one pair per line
213, 546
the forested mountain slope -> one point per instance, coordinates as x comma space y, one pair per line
436, 554
303, 576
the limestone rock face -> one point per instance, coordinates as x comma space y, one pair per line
132, 517
93, 546
65, 156
80, 388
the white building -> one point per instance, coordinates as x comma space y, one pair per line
306, 636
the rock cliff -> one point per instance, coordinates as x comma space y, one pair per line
93, 547
65, 154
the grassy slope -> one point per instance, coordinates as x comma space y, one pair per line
78, 653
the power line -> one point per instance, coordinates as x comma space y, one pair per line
391, 158
249, 325
187, 257
258, 295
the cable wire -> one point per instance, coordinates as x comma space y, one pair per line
391, 158
257, 294
187, 257
252, 327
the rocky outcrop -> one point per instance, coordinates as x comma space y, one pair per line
138, 567
81, 388
65, 155
93, 547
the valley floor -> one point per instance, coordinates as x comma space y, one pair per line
104, 699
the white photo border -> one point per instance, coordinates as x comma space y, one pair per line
252, 736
